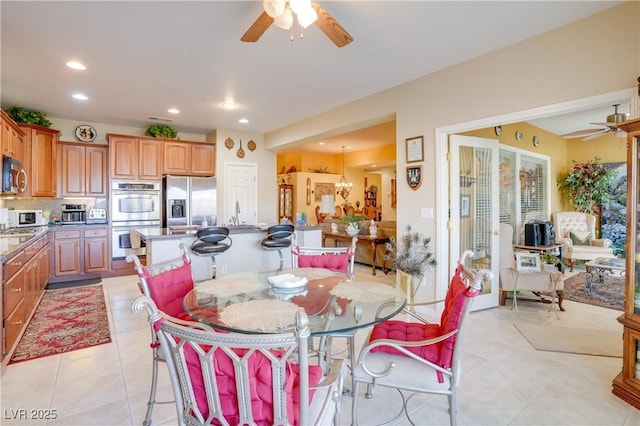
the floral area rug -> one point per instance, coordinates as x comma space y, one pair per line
65, 320
609, 294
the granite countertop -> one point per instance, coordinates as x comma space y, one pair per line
180, 232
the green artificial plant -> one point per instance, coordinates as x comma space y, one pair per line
22, 115
161, 131
587, 185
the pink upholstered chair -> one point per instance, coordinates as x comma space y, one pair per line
238, 379
336, 259
165, 283
418, 356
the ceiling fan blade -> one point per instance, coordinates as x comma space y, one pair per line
582, 133
330, 27
605, 124
595, 135
258, 28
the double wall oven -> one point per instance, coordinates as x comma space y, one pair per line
133, 205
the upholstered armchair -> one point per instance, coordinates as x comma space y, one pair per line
513, 281
577, 231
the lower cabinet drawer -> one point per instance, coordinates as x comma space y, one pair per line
13, 293
13, 325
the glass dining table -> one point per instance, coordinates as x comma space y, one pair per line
248, 303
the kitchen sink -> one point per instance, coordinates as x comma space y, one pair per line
245, 227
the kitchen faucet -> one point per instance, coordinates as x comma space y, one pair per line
235, 218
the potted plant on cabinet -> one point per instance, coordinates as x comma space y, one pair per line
161, 131
412, 257
22, 115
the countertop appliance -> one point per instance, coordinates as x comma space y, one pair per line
188, 201
73, 214
23, 218
133, 205
14, 176
96, 216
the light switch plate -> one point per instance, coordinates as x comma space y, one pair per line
426, 212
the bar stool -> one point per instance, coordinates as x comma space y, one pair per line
277, 238
211, 242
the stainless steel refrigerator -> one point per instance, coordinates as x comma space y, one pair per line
188, 201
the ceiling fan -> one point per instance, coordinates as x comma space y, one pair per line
610, 126
281, 13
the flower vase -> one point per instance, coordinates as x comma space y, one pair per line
409, 285
352, 229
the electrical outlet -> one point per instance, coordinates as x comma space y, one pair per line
225, 269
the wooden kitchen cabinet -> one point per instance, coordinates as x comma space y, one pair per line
25, 276
189, 158
41, 160
626, 385
83, 171
80, 253
12, 143
135, 158
67, 254
96, 250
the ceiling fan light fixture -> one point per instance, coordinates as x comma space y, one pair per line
285, 20
298, 6
307, 17
274, 8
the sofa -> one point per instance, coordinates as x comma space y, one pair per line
386, 228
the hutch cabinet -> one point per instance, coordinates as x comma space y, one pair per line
285, 201
627, 384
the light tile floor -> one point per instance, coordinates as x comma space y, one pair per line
505, 381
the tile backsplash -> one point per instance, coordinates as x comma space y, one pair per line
54, 205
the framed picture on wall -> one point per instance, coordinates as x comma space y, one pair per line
393, 193
465, 206
414, 148
323, 189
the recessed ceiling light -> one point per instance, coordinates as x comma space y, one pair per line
173, 111
373, 165
76, 65
320, 143
80, 96
229, 105
243, 121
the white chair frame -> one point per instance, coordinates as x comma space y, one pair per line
278, 349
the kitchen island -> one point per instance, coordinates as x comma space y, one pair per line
245, 253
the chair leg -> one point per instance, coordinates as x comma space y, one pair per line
281, 259
354, 403
453, 408
152, 392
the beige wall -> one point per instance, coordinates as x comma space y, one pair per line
556, 67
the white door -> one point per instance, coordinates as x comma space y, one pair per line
240, 192
474, 209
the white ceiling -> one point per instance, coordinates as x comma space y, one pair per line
146, 57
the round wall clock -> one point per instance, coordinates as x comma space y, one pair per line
86, 133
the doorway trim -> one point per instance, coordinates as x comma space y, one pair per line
443, 224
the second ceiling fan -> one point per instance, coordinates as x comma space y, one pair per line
610, 126
308, 12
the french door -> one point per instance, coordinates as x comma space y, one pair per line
474, 209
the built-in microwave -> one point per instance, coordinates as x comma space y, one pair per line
20, 218
14, 176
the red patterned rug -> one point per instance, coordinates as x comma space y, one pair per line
609, 294
65, 320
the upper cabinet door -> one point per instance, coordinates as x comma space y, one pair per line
96, 182
177, 158
123, 152
203, 159
149, 159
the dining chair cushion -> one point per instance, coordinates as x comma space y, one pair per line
169, 288
260, 379
333, 262
580, 238
440, 353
